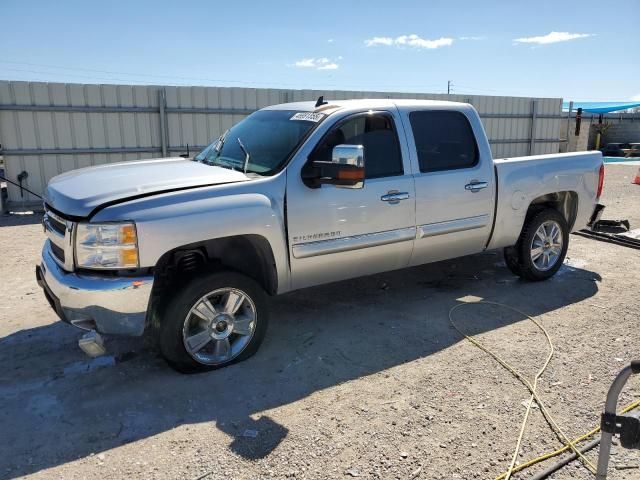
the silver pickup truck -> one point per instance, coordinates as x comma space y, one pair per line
296, 195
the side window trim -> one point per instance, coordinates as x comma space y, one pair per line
357, 115
476, 161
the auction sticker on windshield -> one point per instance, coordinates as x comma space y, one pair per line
308, 116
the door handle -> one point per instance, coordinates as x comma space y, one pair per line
394, 196
476, 186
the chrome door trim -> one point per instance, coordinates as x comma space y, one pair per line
451, 226
344, 244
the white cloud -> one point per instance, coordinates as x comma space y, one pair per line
331, 40
552, 37
375, 41
472, 38
636, 98
412, 40
322, 63
329, 66
306, 62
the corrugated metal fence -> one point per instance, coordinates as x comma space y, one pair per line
50, 128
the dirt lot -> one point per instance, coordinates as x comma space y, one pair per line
363, 378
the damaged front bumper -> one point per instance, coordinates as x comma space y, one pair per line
109, 305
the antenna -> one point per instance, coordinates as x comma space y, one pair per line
320, 101
185, 155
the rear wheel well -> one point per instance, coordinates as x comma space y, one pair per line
566, 203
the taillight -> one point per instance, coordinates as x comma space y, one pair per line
600, 181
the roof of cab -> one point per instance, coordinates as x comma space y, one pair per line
335, 105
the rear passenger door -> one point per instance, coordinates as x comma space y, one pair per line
454, 183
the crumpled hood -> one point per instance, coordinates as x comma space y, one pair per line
79, 192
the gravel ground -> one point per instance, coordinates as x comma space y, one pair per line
363, 378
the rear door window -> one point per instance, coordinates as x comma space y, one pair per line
444, 140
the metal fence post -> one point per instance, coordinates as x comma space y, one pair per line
569, 118
532, 140
2, 205
162, 101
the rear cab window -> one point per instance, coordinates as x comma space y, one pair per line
444, 140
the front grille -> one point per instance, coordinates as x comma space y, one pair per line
59, 232
57, 225
57, 252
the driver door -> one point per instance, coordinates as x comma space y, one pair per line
337, 233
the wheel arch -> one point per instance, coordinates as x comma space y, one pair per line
251, 255
565, 202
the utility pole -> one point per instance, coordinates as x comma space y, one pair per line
448, 87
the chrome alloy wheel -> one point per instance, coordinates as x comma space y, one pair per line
546, 246
219, 326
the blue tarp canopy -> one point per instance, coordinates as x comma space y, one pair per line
600, 107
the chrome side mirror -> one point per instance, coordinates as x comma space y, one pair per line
349, 160
346, 168
348, 155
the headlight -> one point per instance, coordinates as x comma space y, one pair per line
106, 245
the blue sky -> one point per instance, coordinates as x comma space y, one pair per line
578, 50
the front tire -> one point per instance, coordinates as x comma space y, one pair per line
216, 320
541, 248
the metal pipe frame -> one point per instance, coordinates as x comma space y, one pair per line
532, 136
162, 101
610, 407
123, 109
194, 148
89, 150
620, 117
203, 110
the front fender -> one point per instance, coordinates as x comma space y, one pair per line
172, 220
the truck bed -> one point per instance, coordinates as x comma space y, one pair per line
522, 180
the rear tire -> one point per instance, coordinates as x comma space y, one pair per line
216, 320
541, 248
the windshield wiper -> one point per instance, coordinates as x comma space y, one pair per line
223, 164
220, 142
247, 156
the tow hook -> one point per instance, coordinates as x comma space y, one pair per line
92, 343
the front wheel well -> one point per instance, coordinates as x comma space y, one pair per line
250, 255
566, 203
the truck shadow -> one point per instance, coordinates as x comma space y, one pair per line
58, 406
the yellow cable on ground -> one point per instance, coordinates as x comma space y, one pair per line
525, 382
559, 451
